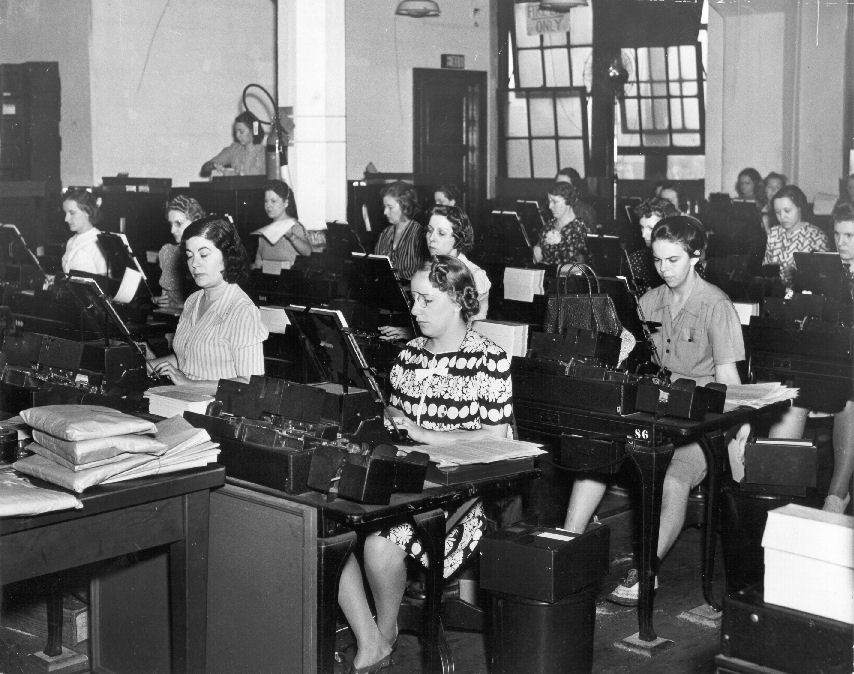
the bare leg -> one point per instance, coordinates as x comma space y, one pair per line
843, 451
385, 568
585, 497
354, 603
674, 504
791, 425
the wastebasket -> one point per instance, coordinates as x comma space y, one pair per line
543, 584
743, 518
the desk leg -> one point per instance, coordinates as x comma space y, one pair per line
430, 528
331, 554
651, 462
188, 583
54, 616
714, 448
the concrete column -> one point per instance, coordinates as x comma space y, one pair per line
311, 49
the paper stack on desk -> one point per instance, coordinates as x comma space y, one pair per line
87, 460
170, 401
486, 450
757, 395
510, 336
523, 284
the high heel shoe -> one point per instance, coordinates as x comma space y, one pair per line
835, 504
379, 666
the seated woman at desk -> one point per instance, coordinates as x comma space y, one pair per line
641, 265
564, 238
284, 238
451, 381
749, 186
446, 195
794, 420
583, 210
82, 252
794, 235
700, 338
774, 182
403, 240
219, 334
180, 212
245, 156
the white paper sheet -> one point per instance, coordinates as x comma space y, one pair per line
129, 286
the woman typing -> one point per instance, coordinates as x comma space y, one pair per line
82, 252
219, 334
451, 381
699, 338
403, 240
564, 238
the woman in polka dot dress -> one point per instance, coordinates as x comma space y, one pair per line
451, 381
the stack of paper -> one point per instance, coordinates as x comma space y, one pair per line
487, 450
77, 465
523, 284
169, 401
745, 310
512, 337
274, 318
757, 395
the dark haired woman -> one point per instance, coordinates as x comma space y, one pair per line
700, 338
403, 241
82, 252
451, 381
773, 182
245, 156
219, 334
446, 195
180, 212
564, 238
749, 186
650, 212
284, 238
583, 211
794, 235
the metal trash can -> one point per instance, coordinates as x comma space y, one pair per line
543, 584
743, 518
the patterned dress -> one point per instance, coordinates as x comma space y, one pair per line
563, 244
783, 244
463, 390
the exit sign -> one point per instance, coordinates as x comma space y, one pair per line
456, 61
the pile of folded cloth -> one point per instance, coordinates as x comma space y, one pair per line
79, 446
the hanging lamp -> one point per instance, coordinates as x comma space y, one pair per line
417, 8
561, 5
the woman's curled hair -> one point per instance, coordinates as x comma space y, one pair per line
221, 232
87, 201
404, 194
684, 230
460, 226
451, 276
566, 191
186, 205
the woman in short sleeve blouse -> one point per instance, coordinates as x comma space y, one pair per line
219, 334
564, 238
450, 382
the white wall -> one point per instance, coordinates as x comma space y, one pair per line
57, 30
169, 115
382, 50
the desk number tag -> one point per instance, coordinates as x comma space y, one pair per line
641, 434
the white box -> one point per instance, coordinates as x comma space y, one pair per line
809, 561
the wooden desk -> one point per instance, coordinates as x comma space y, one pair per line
264, 542
124, 518
650, 443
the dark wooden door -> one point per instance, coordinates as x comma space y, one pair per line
449, 133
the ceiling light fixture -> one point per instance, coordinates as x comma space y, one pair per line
417, 8
561, 5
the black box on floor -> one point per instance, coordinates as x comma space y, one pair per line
782, 638
780, 466
542, 563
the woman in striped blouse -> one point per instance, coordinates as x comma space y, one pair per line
219, 334
403, 241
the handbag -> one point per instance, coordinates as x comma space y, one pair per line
593, 310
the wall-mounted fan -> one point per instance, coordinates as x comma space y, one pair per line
620, 73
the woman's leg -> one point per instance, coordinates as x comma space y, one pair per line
686, 470
791, 425
583, 501
385, 567
843, 451
371, 645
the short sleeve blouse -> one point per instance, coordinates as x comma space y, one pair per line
782, 246
462, 390
706, 331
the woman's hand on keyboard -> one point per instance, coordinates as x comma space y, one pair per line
389, 333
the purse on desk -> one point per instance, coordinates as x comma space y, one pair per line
593, 310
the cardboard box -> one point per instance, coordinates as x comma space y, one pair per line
809, 561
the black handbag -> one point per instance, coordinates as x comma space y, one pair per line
593, 310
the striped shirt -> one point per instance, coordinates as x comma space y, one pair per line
225, 342
409, 253
782, 246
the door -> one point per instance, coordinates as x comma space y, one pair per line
449, 133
